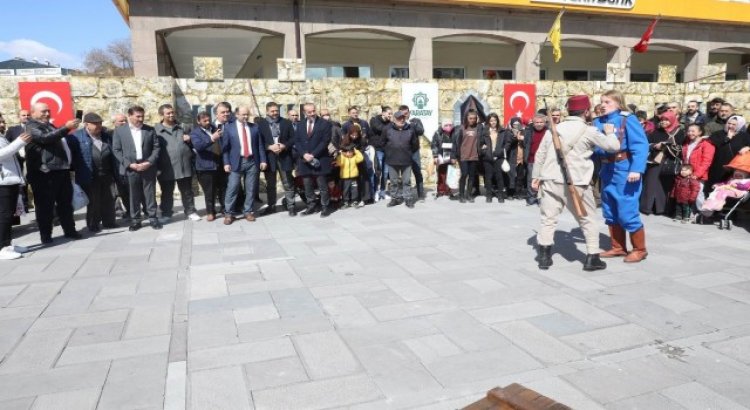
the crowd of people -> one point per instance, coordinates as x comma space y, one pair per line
331, 165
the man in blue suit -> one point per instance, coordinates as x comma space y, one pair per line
244, 155
310, 150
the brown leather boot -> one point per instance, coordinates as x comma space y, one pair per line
617, 234
639, 252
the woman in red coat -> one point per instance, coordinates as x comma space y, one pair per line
698, 152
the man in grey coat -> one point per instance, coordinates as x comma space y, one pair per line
175, 164
137, 148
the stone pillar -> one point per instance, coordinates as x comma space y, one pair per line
527, 61
713, 73
420, 60
618, 67
667, 74
290, 43
693, 63
143, 41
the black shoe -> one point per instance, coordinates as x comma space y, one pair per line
501, 199
46, 240
73, 235
326, 211
269, 210
489, 199
155, 224
94, 229
462, 200
545, 257
309, 210
410, 204
471, 199
393, 202
292, 212
594, 263
134, 227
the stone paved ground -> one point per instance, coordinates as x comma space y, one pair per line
373, 309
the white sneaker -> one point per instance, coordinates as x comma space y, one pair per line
359, 204
20, 249
7, 253
194, 217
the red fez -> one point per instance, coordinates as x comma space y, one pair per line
578, 103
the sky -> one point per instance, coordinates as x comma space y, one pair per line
60, 31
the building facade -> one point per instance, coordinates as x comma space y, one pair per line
468, 39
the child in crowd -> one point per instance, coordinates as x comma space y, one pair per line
348, 162
736, 187
685, 191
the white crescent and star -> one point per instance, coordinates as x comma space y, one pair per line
519, 94
47, 94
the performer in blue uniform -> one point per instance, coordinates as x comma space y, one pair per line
621, 174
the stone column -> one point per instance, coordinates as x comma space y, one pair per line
618, 67
693, 62
420, 60
527, 61
143, 40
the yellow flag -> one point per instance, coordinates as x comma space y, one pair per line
554, 37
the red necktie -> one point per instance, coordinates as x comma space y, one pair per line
246, 147
309, 128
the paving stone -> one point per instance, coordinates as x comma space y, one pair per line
114, 350
559, 324
660, 320
583, 311
409, 289
378, 298
485, 285
271, 329
466, 332
696, 396
412, 309
36, 352
346, 311
347, 289
611, 338
148, 321
37, 294
296, 303
211, 330
645, 401
256, 313
676, 304
325, 355
240, 353
513, 311
430, 348
232, 302
709, 280
108, 332
572, 280
8, 293
75, 399
175, 395
318, 394
626, 379
738, 348
80, 320
206, 287
12, 331
62, 379
387, 332
274, 373
137, 382
563, 392
537, 343
395, 369
219, 389
477, 366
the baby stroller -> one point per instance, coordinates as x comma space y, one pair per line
729, 195
725, 221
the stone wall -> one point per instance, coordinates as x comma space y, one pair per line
111, 95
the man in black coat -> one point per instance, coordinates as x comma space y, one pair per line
136, 148
278, 137
48, 165
313, 160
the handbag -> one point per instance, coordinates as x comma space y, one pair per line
80, 199
671, 161
452, 177
505, 166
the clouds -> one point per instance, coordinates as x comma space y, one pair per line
29, 49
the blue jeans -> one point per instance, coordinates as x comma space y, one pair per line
379, 181
248, 170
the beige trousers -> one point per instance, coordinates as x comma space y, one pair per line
553, 197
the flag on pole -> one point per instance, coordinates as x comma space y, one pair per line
642, 45
554, 37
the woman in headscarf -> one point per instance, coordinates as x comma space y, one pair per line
665, 144
516, 178
729, 142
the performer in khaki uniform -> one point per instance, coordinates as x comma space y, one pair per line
578, 141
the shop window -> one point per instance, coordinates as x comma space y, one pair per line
448, 73
398, 72
497, 74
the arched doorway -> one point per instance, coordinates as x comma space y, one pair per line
582, 60
644, 67
246, 52
357, 53
474, 56
737, 60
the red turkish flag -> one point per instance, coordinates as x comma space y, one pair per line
519, 101
56, 95
642, 45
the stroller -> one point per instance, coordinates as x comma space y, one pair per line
725, 222
729, 195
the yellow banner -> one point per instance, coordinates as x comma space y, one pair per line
717, 11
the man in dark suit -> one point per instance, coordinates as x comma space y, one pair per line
137, 148
48, 164
313, 160
244, 154
278, 137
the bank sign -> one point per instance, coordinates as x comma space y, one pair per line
610, 4
422, 99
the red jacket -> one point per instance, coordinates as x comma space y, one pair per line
685, 190
700, 159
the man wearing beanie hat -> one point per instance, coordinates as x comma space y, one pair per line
578, 141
